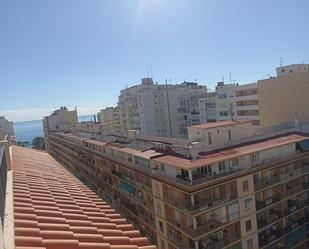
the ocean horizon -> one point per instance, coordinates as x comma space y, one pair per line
28, 130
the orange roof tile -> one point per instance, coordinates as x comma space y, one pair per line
54, 210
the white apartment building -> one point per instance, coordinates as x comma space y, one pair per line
225, 101
292, 69
6, 127
161, 110
235, 101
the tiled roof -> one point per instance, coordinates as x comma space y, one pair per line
220, 124
54, 210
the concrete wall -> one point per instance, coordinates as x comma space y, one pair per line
283, 99
219, 135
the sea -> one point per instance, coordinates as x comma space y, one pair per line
28, 130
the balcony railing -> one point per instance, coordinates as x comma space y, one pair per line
294, 224
214, 242
292, 208
306, 185
266, 182
197, 179
269, 236
264, 203
262, 222
177, 241
3, 179
291, 191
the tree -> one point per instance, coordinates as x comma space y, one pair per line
38, 143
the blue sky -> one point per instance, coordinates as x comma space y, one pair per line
82, 52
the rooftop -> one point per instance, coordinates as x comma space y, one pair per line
220, 124
229, 153
53, 209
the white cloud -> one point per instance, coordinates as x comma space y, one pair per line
38, 113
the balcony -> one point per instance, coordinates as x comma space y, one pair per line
221, 238
264, 221
290, 174
269, 236
306, 184
293, 223
291, 191
201, 229
292, 206
198, 178
266, 182
269, 201
295, 237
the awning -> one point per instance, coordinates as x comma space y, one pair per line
127, 187
303, 145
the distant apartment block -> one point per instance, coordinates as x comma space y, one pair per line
167, 110
237, 101
292, 69
59, 119
161, 110
229, 186
110, 119
6, 127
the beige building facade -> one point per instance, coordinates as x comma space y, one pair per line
110, 119
284, 99
221, 132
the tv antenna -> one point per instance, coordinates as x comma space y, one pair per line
281, 61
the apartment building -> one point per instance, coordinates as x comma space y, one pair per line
292, 69
58, 120
225, 101
249, 193
194, 109
237, 101
110, 119
6, 127
247, 103
284, 99
161, 110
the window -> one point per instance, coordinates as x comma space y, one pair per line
222, 166
248, 225
248, 203
209, 138
224, 113
233, 211
254, 157
161, 226
229, 133
234, 162
245, 186
159, 207
157, 189
250, 244
162, 244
